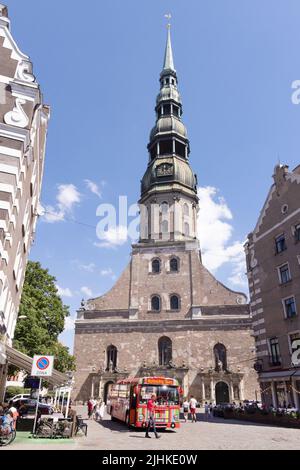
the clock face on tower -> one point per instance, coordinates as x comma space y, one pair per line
165, 169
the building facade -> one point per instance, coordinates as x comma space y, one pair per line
273, 265
23, 128
167, 315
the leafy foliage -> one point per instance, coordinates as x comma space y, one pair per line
45, 318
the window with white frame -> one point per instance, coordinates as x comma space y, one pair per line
284, 273
280, 244
289, 305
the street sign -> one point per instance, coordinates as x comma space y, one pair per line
42, 366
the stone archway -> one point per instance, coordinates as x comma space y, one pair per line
222, 392
106, 391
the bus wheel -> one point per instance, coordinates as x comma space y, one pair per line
127, 421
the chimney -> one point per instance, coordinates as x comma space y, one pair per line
4, 15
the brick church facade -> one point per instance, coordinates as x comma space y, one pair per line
167, 314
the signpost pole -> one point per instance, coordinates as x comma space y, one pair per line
37, 407
68, 403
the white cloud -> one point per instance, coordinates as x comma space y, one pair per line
215, 231
108, 273
67, 197
51, 215
86, 291
69, 324
93, 187
90, 268
113, 237
64, 292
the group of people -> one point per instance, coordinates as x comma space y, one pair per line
189, 406
96, 409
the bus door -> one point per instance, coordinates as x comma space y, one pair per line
133, 404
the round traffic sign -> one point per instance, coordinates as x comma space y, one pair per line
42, 363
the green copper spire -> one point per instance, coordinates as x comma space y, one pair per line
168, 61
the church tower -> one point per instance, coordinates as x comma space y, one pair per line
167, 314
169, 201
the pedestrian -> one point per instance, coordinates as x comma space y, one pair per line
13, 412
97, 411
151, 417
95, 405
206, 410
193, 405
102, 410
90, 407
210, 410
185, 407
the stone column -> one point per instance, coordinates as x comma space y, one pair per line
212, 391
274, 396
295, 394
93, 387
3, 375
231, 392
203, 390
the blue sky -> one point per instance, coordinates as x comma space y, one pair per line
98, 64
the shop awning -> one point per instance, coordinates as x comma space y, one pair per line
24, 362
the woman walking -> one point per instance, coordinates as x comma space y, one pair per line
185, 407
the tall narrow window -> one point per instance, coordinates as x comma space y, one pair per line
290, 307
186, 229
275, 353
284, 274
164, 226
280, 244
174, 302
112, 355
164, 208
155, 303
155, 266
164, 351
186, 210
174, 265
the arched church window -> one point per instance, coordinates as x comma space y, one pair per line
164, 226
220, 355
174, 265
164, 350
155, 266
186, 229
186, 209
174, 302
164, 208
155, 303
112, 356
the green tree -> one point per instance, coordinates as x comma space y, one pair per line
45, 318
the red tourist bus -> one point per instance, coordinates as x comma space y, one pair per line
128, 401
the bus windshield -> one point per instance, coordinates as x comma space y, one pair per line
165, 394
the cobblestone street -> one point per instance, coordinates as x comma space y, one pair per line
218, 434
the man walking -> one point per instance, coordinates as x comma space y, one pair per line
193, 405
151, 417
206, 411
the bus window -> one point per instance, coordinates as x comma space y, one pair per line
123, 391
164, 394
